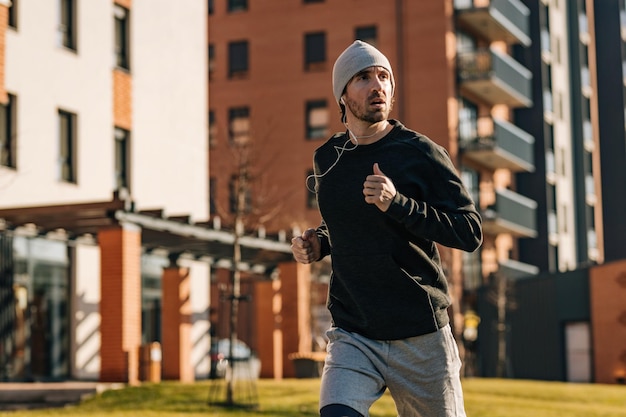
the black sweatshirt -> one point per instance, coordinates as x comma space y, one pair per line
387, 281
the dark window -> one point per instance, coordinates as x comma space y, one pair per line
311, 197
239, 125
212, 129
211, 60
7, 133
122, 159
313, 1
237, 5
67, 146
366, 34
317, 119
210, 6
212, 184
67, 24
121, 37
237, 59
240, 186
314, 51
13, 14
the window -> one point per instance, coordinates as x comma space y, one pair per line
237, 5
13, 14
468, 121
240, 186
211, 53
212, 129
67, 146
366, 34
122, 159
311, 197
212, 185
239, 125
67, 24
8, 134
237, 59
465, 42
313, 1
314, 51
317, 119
121, 37
210, 7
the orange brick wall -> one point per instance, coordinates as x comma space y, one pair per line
425, 87
124, 3
176, 325
120, 305
122, 99
608, 318
4, 19
268, 303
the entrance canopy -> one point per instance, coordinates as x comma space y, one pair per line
174, 235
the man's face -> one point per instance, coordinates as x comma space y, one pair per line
369, 95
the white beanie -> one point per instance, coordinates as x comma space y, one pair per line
356, 58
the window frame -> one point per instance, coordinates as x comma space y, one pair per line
121, 21
315, 56
235, 137
360, 34
13, 14
67, 144
67, 25
238, 59
8, 145
212, 128
234, 6
316, 132
122, 159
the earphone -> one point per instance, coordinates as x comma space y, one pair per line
340, 150
342, 101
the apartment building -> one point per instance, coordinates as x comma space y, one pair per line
271, 105
575, 305
103, 171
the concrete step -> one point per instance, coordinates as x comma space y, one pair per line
43, 395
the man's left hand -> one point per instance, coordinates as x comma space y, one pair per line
378, 189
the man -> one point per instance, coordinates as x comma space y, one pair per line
387, 195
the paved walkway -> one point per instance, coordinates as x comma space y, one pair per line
18, 395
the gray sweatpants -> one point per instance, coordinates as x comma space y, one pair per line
422, 373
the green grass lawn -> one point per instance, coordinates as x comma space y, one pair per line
298, 397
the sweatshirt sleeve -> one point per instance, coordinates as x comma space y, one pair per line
322, 234
446, 213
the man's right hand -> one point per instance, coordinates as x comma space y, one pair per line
306, 248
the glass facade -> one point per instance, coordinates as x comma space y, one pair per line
35, 338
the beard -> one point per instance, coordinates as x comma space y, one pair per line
362, 112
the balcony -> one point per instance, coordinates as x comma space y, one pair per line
511, 213
495, 20
494, 78
505, 146
512, 269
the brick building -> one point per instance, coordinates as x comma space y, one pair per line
469, 76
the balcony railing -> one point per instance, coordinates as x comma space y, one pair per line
494, 77
511, 213
497, 20
512, 269
506, 146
